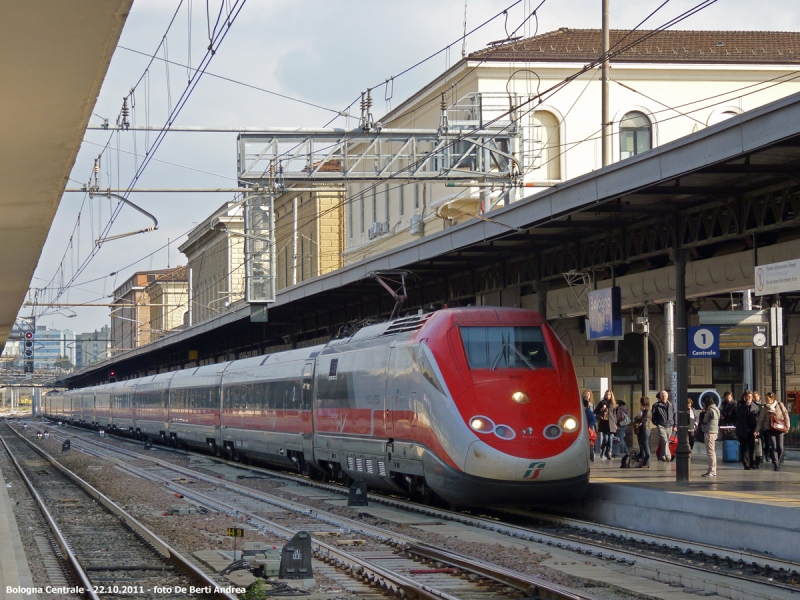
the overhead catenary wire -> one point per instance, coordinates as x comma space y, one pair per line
362, 192
219, 37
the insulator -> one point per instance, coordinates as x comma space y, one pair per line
96, 166
443, 105
369, 98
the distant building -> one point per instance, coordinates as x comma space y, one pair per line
169, 296
130, 315
215, 261
53, 348
92, 347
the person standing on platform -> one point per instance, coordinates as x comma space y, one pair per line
746, 423
760, 450
664, 420
773, 422
727, 412
591, 420
641, 426
623, 420
710, 429
606, 423
692, 423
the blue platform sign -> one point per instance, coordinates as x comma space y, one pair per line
605, 313
703, 341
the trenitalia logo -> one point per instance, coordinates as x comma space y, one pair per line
533, 470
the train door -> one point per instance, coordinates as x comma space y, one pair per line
402, 392
307, 408
388, 397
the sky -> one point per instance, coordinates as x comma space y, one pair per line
322, 52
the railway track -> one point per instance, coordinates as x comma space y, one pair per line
398, 564
647, 553
107, 551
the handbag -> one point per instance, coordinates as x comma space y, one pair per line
626, 420
592, 436
636, 427
777, 424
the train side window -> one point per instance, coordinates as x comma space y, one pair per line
334, 368
505, 347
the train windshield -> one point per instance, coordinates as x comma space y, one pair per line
505, 347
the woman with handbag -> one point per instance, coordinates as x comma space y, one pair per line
623, 420
773, 422
606, 423
641, 427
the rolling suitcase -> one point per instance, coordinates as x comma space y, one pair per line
730, 451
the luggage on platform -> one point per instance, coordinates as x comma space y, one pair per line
730, 451
632, 460
615, 447
673, 447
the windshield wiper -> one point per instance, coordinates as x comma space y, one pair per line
516, 351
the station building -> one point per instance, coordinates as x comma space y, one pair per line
666, 86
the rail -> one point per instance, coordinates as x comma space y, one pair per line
169, 554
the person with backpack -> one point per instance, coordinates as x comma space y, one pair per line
746, 424
773, 423
710, 428
591, 421
641, 427
623, 420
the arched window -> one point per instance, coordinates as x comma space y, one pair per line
720, 117
546, 146
635, 135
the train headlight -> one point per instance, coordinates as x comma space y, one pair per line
569, 424
520, 397
481, 424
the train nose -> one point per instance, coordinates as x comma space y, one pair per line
484, 461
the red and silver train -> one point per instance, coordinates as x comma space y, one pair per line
476, 405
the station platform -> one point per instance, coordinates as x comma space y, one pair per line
14, 571
755, 510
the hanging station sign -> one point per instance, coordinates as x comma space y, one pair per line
605, 313
777, 277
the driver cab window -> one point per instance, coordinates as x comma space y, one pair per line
505, 347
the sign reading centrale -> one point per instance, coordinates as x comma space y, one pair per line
605, 313
777, 277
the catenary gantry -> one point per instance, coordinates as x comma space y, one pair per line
736, 183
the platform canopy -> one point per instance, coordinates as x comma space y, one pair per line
55, 57
719, 191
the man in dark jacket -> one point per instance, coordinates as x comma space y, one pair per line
746, 422
665, 422
727, 411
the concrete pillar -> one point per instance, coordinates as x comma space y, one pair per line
683, 459
747, 355
669, 346
541, 297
